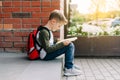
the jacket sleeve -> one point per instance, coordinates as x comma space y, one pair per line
55, 40
44, 40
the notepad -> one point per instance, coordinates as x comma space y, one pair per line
70, 39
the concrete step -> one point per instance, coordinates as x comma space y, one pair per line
15, 66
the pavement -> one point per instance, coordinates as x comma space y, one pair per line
16, 66
97, 69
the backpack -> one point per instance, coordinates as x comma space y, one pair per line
33, 47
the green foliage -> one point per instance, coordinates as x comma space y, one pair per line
116, 31
77, 19
105, 33
77, 31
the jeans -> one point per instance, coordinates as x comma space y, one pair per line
69, 55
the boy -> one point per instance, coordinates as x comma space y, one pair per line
51, 49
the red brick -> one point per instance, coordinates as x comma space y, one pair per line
40, 15
0, 9
1, 39
14, 31
35, 25
57, 34
1, 26
1, 21
5, 44
16, 9
20, 44
55, 0
44, 20
10, 9
13, 39
5, 34
55, 4
26, 4
21, 34
46, 3
13, 49
7, 3
16, 3
19, 0
25, 39
26, 26
1, 15
31, 9
0, 3
36, 3
5, 15
47, 9
7, 9
31, 20
12, 20
8, 26
17, 26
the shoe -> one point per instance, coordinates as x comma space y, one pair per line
76, 67
72, 72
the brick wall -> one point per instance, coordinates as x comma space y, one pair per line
19, 17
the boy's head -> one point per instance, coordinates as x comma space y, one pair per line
58, 16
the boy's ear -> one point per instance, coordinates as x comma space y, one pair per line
53, 21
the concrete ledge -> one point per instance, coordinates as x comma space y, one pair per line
15, 66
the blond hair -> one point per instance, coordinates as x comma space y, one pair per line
59, 16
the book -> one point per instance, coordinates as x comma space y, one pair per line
70, 39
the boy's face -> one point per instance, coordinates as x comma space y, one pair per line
56, 26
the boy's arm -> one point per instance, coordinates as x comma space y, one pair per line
44, 40
56, 40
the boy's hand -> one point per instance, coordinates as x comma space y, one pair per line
66, 42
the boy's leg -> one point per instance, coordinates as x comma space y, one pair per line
69, 55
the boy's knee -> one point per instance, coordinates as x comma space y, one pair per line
71, 45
